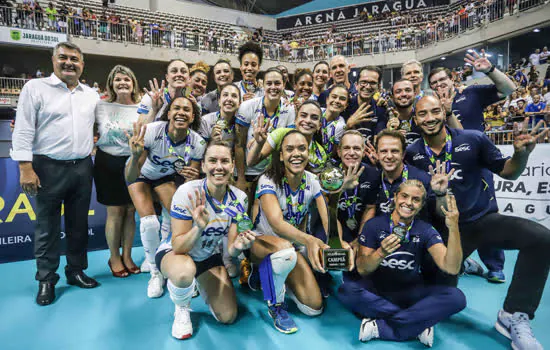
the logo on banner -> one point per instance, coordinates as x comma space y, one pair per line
15, 35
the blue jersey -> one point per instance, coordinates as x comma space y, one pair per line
401, 269
370, 128
352, 203
473, 154
468, 106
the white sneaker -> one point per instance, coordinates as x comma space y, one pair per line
516, 327
368, 330
145, 267
182, 328
472, 267
427, 337
155, 287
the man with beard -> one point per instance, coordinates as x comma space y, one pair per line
466, 154
364, 111
52, 141
468, 105
339, 72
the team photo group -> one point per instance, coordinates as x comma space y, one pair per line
279, 183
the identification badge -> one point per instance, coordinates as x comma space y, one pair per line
244, 225
351, 223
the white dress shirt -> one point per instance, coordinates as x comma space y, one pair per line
54, 121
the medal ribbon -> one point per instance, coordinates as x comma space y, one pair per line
317, 155
448, 152
167, 97
186, 150
226, 208
351, 203
328, 136
295, 217
404, 176
226, 130
408, 235
274, 118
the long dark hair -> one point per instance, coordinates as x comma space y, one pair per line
195, 125
276, 170
318, 136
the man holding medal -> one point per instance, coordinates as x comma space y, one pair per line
468, 153
391, 295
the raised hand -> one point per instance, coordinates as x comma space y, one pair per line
198, 210
446, 98
525, 141
451, 213
440, 179
480, 63
156, 93
137, 140
370, 152
351, 176
216, 134
393, 123
189, 173
362, 114
260, 130
244, 240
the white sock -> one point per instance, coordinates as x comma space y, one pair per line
181, 296
166, 225
149, 229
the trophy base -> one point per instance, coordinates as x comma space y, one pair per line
335, 259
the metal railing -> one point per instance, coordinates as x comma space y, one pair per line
11, 86
392, 39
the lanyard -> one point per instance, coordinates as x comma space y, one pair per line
317, 155
329, 137
186, 150
295, 217
404, 176
351, 203
227, 130
218, 206
167, 97
408, 235
274, 118
448, 152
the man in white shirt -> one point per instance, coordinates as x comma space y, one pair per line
52, 141
534, 58
543, 57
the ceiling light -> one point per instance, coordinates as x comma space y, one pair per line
443, 58
536, 30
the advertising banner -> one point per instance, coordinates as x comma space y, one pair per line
19, 36
349, 12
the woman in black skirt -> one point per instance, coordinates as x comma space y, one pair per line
115, 118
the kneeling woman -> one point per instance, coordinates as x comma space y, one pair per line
203, 213
285, 193
391, 297
160, 151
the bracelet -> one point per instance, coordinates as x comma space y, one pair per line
441, 194
491, 70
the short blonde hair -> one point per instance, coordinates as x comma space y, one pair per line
414, 183
136, 96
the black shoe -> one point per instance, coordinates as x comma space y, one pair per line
80, 279
46, 293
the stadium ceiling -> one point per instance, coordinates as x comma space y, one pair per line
263, 7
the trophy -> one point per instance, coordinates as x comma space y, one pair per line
335, 257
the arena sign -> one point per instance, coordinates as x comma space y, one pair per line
18, 36
340, 14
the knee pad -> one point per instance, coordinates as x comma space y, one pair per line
274, 270
306, 310
149, 232
181, 296
283, 261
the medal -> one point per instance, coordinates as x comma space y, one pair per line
405, 125
249, 86
244, 224
401, 230
222, 123
351, 223
243, 221
181, 161
295, 218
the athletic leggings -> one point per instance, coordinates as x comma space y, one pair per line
403, 314
509, 233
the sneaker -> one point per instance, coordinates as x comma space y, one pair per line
281, 319
254, 282
245, 271
427, 337
196, 291
368, 330
145, 267
155, 288
472, 267
182, 328
496, 276
516, 327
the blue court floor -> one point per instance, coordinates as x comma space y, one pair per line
118, 315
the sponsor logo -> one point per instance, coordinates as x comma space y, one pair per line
15, 35
416, 239
418, 156
365, 184
460, 99
215, 231
400, 264
457, 175
362, 238
385, 207
463, 148
262, 187
179, 209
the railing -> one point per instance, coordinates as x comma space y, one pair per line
506, 137
11, 86
391, 40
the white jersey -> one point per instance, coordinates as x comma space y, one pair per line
267, 186
160, 161
258, 93
146, 104
207, 124
332, 132
114, 121
218, 222
247, 116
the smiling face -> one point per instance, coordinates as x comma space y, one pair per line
177, 75
408, 202
308, 120
218, 165
273, 86
339, 70
430, 116
122, 84
250, 66
367, 84
199, 81
223, 74
304, 86
441, 82
67, 65
229, 99
321, 75
351, 150
294, 153
403, 94
413, 72
337, 100
390, 153
180, 114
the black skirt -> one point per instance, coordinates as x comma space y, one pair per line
110, 185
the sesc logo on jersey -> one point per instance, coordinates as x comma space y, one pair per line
399, 261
